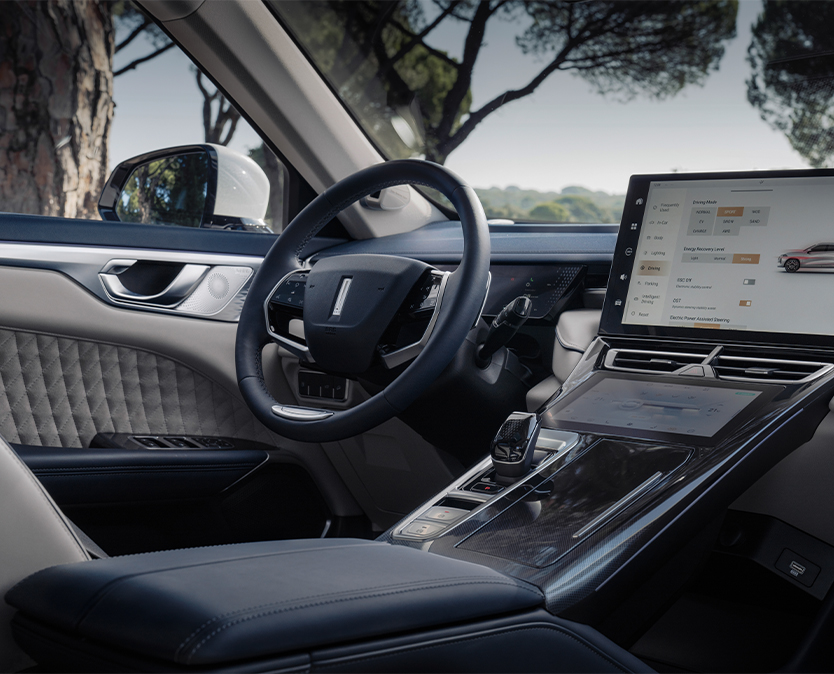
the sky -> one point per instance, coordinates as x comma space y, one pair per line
564, 134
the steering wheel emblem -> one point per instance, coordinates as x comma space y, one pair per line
342, 296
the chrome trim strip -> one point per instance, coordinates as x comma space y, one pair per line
342, 296
176, 291
400, 356
296, 348
622, 504
613, 353
822, 368
295, 413
84, 263
483, 304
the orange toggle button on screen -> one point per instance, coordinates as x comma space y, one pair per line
746, 258
745, 303
714, 326
731, 212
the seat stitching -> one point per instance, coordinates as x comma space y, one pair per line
6, 385
345, 592
566, 343
112, 583
418, 585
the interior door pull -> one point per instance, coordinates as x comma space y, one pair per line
176, 291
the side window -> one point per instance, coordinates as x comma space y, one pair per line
73, 110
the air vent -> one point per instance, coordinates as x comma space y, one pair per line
770, 370
632, 360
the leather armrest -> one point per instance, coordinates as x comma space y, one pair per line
206, 606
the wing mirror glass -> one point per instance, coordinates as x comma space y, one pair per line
207, 186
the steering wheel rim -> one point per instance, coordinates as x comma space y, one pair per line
462, 301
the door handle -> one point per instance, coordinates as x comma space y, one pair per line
176, 291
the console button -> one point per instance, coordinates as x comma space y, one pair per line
423, 529
442, 514
486, 488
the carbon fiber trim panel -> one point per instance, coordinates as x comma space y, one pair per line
57, 391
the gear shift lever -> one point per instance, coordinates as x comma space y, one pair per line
513, 447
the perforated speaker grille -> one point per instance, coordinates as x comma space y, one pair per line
218, 285
215, 291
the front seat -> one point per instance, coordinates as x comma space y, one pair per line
34, 534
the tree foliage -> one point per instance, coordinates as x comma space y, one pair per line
622, 48
792, 74
169, 191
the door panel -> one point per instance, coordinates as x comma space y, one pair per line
60, 392
184, 283
49, 302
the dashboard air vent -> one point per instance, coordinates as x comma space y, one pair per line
770, 370
633, 360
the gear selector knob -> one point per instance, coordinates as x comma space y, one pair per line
513, 447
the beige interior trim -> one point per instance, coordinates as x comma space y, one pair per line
33, 535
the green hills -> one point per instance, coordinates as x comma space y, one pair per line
572, 204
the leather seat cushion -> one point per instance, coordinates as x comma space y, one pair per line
206, 606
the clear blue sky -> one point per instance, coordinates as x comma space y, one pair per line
564, 134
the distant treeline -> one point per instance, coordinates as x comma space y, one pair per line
572, 204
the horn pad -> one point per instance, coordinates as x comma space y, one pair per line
343, 322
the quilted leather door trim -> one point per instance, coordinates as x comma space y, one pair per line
58, 391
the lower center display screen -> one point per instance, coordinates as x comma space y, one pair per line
656, 407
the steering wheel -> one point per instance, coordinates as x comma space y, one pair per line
357, 309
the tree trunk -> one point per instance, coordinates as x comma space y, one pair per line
56, 105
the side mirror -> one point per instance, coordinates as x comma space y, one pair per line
206, 186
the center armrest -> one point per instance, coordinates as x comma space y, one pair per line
205, 606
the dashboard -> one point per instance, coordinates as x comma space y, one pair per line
548, 263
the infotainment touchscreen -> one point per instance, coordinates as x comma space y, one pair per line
648, 407
738, 252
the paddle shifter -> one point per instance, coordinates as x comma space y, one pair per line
513, 447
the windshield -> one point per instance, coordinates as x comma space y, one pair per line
547, 108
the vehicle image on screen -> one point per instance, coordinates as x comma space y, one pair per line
818, 256
442, 344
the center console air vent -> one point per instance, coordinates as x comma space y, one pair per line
770, 370
633, 360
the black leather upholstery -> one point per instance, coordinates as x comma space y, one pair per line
534, 641
206, 607
74, 475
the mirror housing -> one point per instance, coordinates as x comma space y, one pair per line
208, 186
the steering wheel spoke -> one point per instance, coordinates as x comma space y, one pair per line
348, 311
284, 314
414, 322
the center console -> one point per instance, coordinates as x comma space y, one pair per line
714, 360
